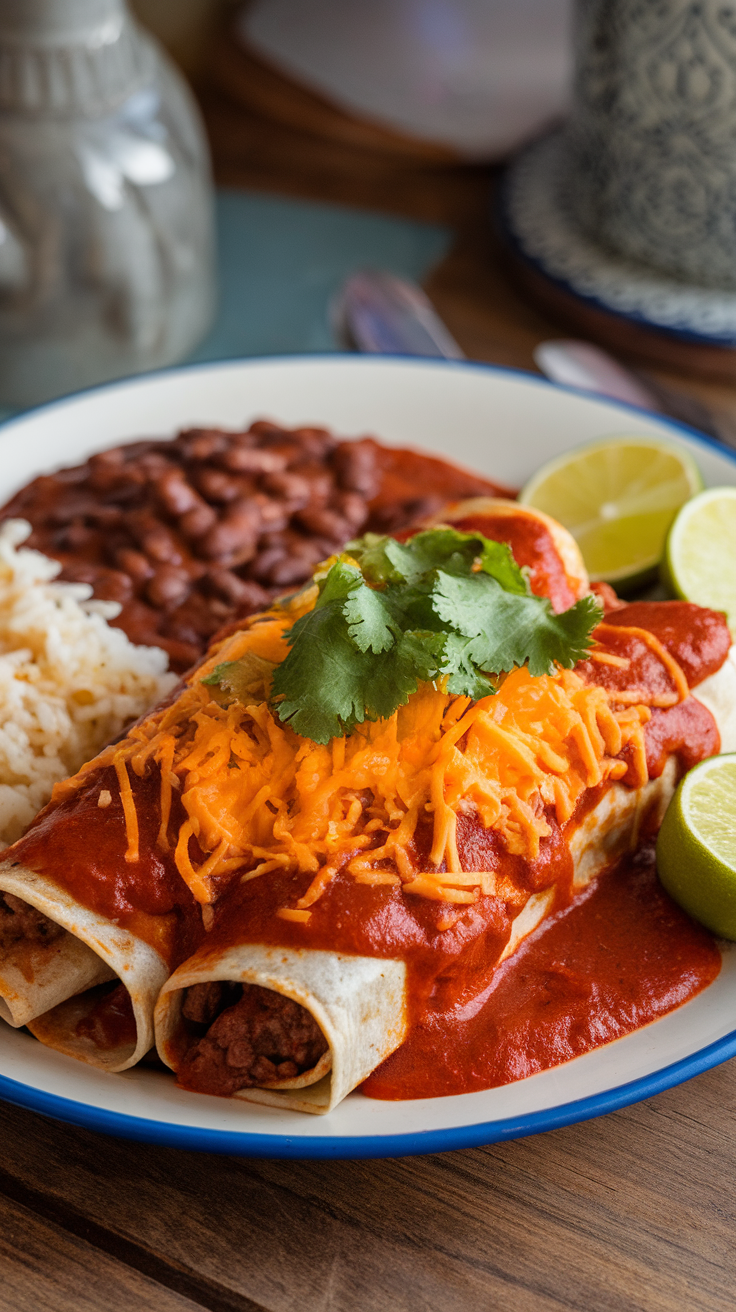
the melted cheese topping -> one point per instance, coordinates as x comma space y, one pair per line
258, 798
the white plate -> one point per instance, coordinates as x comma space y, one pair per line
501, 423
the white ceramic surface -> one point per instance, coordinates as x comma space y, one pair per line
504, 424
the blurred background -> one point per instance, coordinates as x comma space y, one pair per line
346, 136
411, 109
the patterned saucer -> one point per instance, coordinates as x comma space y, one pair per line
538, 216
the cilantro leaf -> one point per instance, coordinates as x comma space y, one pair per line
464, 678
383, 560
247, 679
508, 630
390, 615
370, 623
496, 559
320, 683
327, 685
338, 583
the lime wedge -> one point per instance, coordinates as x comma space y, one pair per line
618, 498
700, 559
696, 848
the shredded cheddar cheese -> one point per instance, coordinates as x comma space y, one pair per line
257, 798
131, 815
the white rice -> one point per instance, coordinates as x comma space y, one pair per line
69, 682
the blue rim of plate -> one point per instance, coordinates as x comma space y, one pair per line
719, 341
241, 1143
247, 1144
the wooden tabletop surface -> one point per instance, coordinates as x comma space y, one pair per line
634, 1212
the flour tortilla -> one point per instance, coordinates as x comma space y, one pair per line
47, 986
358, 1003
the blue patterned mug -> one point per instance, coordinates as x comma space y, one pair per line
652, 141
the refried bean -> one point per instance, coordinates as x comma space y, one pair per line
253, 1036
192, 533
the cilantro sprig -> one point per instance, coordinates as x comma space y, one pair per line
392, 615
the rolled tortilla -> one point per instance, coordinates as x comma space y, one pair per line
46, 984
51, 987
361, 1003
109, 920
357, 1002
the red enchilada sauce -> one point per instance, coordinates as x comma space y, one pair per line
110, 1022
615, 959
619, 957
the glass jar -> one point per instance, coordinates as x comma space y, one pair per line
106, 224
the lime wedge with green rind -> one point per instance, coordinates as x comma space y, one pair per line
700, 556
618, 498
696, 848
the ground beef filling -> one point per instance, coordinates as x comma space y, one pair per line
20, 922
242, 1035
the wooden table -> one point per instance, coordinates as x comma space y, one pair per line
635, 1212
632, 1212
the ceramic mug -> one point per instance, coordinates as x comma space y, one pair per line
652, 141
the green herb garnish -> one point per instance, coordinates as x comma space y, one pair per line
392, 615
247, 680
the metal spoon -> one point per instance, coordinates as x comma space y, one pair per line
378, 313
581, 364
